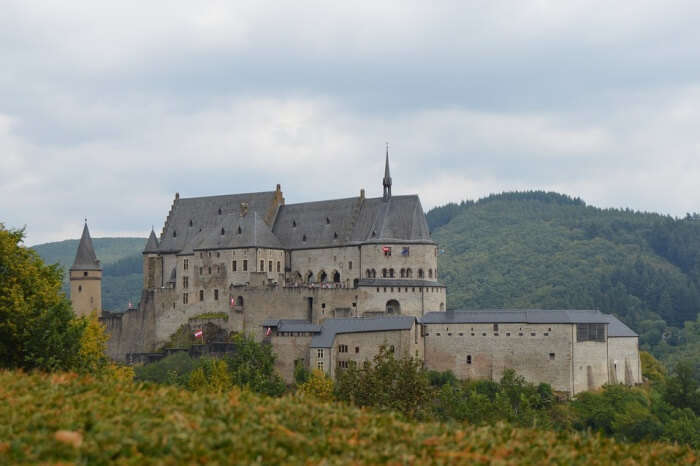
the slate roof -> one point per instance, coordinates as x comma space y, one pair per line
292, 325
85, 257
401, 282
194, 221
352, 221
617, 329
529, 316
331, 327
152, 243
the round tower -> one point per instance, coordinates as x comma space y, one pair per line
86, 278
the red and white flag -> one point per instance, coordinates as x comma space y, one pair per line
198, 333
233, 301
268, 332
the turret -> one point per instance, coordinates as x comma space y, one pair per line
387, 177
152, 263
86, 278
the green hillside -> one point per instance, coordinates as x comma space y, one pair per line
546, 250
65, 418
121, 263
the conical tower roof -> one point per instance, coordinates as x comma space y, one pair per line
85, 257
152, 243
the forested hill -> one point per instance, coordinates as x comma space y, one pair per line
121, 266
547, 250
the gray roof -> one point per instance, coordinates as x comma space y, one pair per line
398, 282
617, 329
197, 221
292, 325
352, 221
85, 257
529, 316
237, 232
152, 243
331, 327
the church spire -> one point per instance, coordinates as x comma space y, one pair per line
387, 177
85, 257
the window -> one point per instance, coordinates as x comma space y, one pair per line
245, 265
343, 364
319, 353
551, 356
84, 274
357, 349
185, 282
350, 265
218, 254
201, 295
590, 332
185, 264
387, 251
520, 334
392, 349
269, 266
319, 364
262, 265
216, 295
391, 273
234, 266
507, 334
278, 266
185, 298
342, 348
495, 327
420, 273
430, 273
483, 334
209, 270
546, 334
533, 334
469, 359
384, 273
201, 270
80, 288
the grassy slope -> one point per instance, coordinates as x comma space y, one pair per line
137, 424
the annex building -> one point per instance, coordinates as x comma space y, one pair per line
329, 283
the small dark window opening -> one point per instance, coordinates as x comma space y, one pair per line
190, 222
303, 238
328, 221
219, 211
357, 349
222, 231
294, 223
335, 235
84, 274
174, 234
469, 359
216, 294
239, 230
551, 356
80, 288
245, 265
201, 295
495, 327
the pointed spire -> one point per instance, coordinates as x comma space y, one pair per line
152, 243
85, 257
387, 177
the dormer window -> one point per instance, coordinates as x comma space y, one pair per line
190, 222
219, 210
239, 230
328, 221
222, 231
374, 233
174, 234
335, 235
294, 223
303, 238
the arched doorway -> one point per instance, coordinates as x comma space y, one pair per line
442, 306
393, 307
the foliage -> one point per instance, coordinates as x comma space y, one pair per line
37, 325
253, 366
211, 376
682, 389
211, 315
173, 369
93, 343
301, 374
124, 423
547, 250
387, 383
652, 369
318, 386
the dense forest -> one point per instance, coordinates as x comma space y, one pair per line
547, 250
121, 267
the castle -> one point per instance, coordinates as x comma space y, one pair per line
329, 283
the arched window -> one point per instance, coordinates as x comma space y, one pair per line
239, 301
336, 277
309, 277
368, 273
409, 273
402, 273
393, 307
420, 273
323, 276
442, 306
384, 273
430, 273
391, 273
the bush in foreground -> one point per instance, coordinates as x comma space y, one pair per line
67, 418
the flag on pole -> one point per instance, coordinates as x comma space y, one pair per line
233, 301
404, 252
198, 333
268, 331
386, 248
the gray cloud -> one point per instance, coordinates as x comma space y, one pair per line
106, 111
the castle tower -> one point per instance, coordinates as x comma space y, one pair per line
152, 264
86, 278
387, 177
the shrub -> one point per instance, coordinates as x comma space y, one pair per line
318, 386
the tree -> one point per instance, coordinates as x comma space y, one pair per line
253, 366
318, 386
682, 390
37, 325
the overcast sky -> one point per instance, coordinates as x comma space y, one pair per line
107, 111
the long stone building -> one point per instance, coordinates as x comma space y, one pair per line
328, 283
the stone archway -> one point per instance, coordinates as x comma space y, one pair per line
336, 276
393, 307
